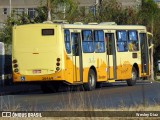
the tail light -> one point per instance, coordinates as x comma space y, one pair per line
14, 61
16, 70
15, 66
58, 64
58, 59
57, 68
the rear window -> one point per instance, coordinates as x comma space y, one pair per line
47, 32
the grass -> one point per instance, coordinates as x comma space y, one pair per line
135, 108
157, 76
9, 104
81, 107
157, 80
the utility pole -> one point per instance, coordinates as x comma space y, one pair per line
49, 10
64, 11
10, 7
152, 63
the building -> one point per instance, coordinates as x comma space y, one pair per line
28, 6
157, 2
92, 5
124, 3
130, 3
19, 7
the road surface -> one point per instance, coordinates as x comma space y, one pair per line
109, 96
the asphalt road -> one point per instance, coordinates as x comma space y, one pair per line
109, 96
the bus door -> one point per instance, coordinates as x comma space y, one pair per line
77, 56
111, 56
144, 54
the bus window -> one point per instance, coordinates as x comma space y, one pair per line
109, 43
122, 41
87, 41
67, 41
99, 41
75, 44
133, 41
144, 53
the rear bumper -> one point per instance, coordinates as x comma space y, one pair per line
35, 78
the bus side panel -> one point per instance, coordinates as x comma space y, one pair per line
101, 67
124, 65
98, 62
68, 68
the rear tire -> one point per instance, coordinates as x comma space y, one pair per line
91, 84
133, 80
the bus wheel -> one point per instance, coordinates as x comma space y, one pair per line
132, 81
91, 81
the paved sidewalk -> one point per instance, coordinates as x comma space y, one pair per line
18, 88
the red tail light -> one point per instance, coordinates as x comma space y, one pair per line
58, 64
58, 59
15, 65
14, 61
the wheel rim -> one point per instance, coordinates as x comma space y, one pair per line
91, 80
134, 75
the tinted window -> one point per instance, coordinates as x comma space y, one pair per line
87, 41
99, 41
67, 41
75, 43
122, 41
122, 36
133, 44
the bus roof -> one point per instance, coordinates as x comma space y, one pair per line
103, 26
90, 26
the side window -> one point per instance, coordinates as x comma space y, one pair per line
75, 37
99, 41
133, 40
143, 41
67, 41
122, 41
87, 41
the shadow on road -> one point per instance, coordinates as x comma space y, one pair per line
27, 89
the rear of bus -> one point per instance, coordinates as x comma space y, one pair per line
36, 53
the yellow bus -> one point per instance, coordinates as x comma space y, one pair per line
74, 54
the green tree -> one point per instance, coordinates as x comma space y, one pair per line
112, 10
41, 14
148, 14
60, 9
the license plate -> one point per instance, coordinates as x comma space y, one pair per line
36, 71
